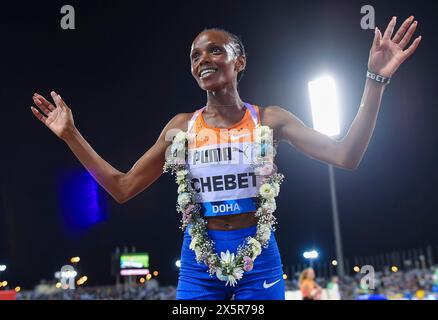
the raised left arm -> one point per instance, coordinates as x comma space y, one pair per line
386, 55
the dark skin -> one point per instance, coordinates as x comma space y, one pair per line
213, 49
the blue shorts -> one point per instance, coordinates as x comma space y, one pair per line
263, 282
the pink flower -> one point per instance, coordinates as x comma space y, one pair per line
267, 169
180, 161
248, 264
189, 209
187, 214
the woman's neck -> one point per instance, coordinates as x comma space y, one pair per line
224, 102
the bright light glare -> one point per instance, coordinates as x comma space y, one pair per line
178, 263
2, 267
75, 259
69, 274
325, 106
310, 254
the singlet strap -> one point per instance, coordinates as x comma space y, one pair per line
253, 112
194, 117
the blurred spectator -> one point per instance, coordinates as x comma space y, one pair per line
310, 290
333, 292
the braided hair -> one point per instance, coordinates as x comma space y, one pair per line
236, 45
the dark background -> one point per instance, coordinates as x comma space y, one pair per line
125, 72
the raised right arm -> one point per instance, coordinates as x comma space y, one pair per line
150, 166
121, 186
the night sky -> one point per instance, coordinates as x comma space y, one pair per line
125, 72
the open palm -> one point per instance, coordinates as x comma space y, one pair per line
59, 119
387, 54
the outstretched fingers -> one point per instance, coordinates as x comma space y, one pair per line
39, 116
401, 31
42, 107
377, 38
409, 51
45, 106
408, 35
57, 99
390, 28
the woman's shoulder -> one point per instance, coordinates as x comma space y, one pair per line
181, 120
273, 116
271, 112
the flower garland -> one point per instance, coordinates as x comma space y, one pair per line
228, 267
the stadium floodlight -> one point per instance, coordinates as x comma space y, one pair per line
325, 114
325, 106
2, 267
75, 260
311, 254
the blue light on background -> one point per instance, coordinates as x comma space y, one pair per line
81, 203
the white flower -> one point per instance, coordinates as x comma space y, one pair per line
174, 148
262, 133
269, 205
227, 258
196, 240
180, 138
267, 191
182, 188
228, 262
235, 276
256, 247
184, 199
220, 275
181, 176
198, 252
265, 232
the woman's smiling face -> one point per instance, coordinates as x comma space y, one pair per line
215, 62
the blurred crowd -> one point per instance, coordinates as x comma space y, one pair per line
148, 291
415, 284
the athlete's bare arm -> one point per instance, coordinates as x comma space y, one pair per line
121, 186
387, 53
287, 127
